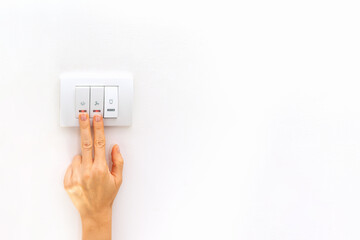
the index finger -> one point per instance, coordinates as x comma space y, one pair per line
86, 140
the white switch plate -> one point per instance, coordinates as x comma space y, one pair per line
122, 80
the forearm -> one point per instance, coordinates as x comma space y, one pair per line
96, 227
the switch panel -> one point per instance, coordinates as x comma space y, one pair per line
96, 101
82, 100
111, 102
109, 94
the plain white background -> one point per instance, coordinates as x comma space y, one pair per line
245, 124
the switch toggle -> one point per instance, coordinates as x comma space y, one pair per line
97, 101
82, 97
111, 102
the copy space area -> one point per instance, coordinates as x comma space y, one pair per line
246, 118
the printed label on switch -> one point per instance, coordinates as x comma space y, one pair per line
111, 102
97, 98
81, 100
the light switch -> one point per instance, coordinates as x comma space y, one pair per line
107, 92
111, 102
82, 97
96, 101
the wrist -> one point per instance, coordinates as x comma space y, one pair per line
97, 226
97, 218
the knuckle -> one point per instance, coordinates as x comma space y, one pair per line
98, 170
84, 124
100, 142
86, 176
86, 144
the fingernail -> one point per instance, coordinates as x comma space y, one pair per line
97, 118
83, 117
117, 148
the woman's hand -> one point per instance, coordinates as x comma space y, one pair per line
90, 184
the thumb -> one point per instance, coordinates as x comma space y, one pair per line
118, 163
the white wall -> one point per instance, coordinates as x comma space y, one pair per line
246, 117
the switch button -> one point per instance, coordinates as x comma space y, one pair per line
111, 102
97, 101
82, 97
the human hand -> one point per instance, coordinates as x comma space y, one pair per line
90, 184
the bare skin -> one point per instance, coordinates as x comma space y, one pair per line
91, 185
